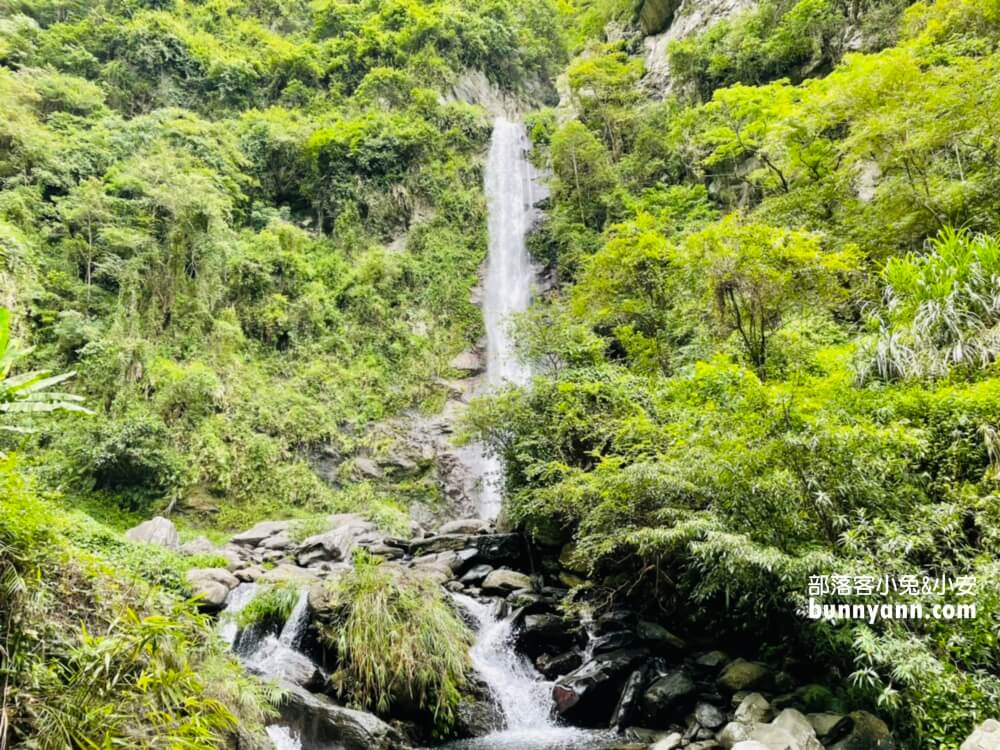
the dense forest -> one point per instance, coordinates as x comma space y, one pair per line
238, 238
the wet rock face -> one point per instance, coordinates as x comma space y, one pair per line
321, 723
589, 695
655, 15
668, 697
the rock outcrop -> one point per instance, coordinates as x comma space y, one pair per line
669, 21
321, 723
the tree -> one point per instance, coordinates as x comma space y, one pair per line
604, 86
756, 274
583, 171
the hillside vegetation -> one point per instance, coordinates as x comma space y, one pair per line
250, 228
772, 349
236, 235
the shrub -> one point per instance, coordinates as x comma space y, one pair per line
269, 608
401, 645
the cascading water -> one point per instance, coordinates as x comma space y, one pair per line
268, 655
521, 694
512, 190
295, 625
238, 599
523, 697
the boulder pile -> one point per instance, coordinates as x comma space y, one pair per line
614, 671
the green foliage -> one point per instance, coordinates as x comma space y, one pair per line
250, 227
28, 393
93, 657
780, 38
941, 310
711, 421
757, 274
269, 608
401, 645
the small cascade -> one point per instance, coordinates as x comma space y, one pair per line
283, 738
238, 599
275, 657
523, 696
295, 626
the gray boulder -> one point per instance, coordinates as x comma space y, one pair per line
286, 573
249, 574
667, 699
628, 704
468, 362
464, 526
712, 659
984, 737
279, 542
211, 586
552, 667
442, 543
799, 727
588, 695
753, 709
709, 716
274, 660
504, 581
349, 530
330, 546
773, 738
658, 638
824, 722
750, 745
733, 733
159, 531
254, 536
322, 723
744, 675
476, 574
867, 732
199, 546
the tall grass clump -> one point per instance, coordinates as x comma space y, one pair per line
402, 648
269, 608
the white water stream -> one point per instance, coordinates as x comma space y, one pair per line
512, 190
521, 693
271, 656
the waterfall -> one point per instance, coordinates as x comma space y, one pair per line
237, 600
295, 625
283, 738
267, 655
523, 696
512, 190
